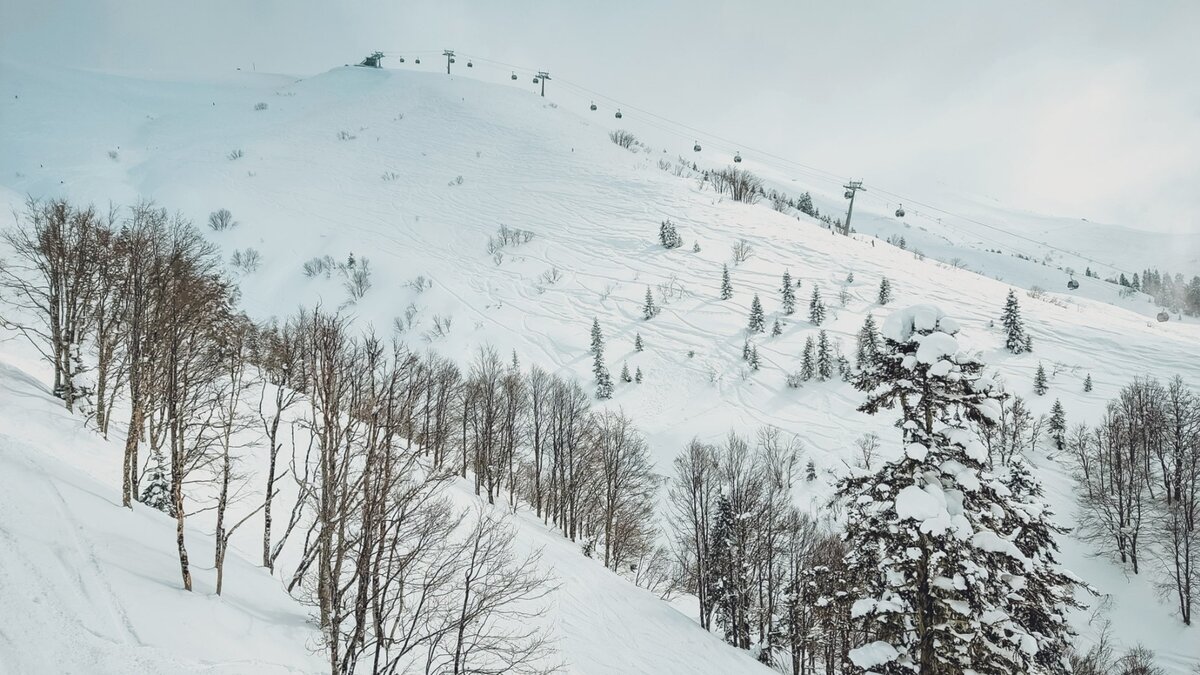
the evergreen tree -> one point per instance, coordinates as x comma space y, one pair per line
754, 363
637, 376
1087, 383
816, 308
726, 285
604, 384
849, 278
808, 360
696, 247
789, 294
597, 338
868, 343
1038, 605
728, 568
648, 309
516, 365
1016, 340
1039, 381
885, 291
157, 493
668, 236
638, 345
757, 323
776, 329
926, 534
625, 376
1058, 425
746, 349
824, 357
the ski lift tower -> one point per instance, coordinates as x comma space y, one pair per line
851, 189
543, 76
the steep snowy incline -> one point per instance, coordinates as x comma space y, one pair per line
90, 587
369, 162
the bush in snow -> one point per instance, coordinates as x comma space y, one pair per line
261, 105
246, 260
622, 138
741, 251
322, 265
234, 154
221, 220
739, 184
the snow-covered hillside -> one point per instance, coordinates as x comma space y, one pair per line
415, 172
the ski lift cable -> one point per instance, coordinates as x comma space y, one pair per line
784, 163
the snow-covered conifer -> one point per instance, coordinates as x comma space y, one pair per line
597, 337
1016, 340
637, 376
757, 323
788, 290
1087, 383
649, 310
868, 343
1058, 425
1039, 381
157, 493
885, 291
625, 376
604, 383
816, 307
638, 345
726, 285
808, 360
926, 533
824, 357
1039, 603
776, 329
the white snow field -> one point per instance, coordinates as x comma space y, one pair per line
414, 172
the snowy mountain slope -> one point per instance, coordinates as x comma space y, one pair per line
90, 587
79, 569
391, 194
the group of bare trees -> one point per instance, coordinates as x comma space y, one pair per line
1138, 483
534, 437
135, 309
134, 314
765, 574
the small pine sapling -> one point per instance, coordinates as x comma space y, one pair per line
816, 307
1039, 381
757, 322
649, 310
885, 291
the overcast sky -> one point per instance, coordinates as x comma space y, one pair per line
1087, 109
